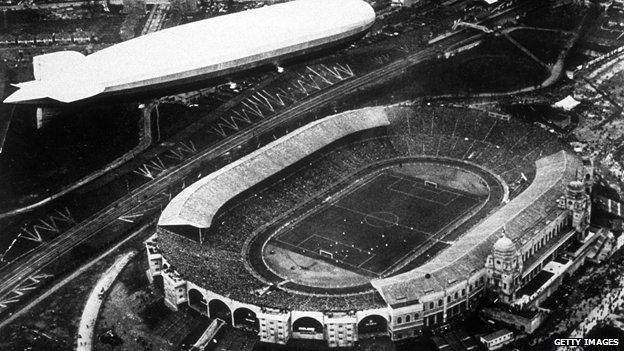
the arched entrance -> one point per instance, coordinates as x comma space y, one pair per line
372, 325
308, 328
218, 309
197, 301
246, 318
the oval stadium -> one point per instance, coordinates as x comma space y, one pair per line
382, 221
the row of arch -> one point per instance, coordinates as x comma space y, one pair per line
219, 309
246, 318
372, 324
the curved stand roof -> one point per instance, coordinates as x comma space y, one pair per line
198, 203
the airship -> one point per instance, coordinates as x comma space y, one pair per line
203, 52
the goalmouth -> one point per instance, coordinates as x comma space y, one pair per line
431, 184
326, 253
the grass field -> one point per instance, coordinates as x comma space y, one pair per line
379, 222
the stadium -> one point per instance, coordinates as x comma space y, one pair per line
379, 221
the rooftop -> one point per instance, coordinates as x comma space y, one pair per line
496, 334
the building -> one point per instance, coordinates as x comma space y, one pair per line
497, 339
504, 266
518, 253
526, 321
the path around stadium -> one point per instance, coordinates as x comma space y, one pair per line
92, 307
71, 277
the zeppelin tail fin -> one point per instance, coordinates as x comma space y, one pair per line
73, 92
34, 91
63, 76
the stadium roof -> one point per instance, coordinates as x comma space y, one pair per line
198, 203
535, 206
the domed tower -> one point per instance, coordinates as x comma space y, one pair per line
577, 201
504, 266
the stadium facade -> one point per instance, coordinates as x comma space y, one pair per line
197, 53
517, 252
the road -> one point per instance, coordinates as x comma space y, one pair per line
74, 275
94, 302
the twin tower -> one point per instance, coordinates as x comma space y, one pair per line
506, 262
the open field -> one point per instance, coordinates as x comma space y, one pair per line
378, 223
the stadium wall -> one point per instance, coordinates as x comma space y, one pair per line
272, 325
339, 329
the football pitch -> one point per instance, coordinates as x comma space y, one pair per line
380, 223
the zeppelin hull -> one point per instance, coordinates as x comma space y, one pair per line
207, 79
197, 54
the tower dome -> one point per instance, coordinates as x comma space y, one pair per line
504, 246
576, 190
504, 267
576, 185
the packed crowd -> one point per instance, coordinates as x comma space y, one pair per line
603, 297
600, 128
506, 147
595, 298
